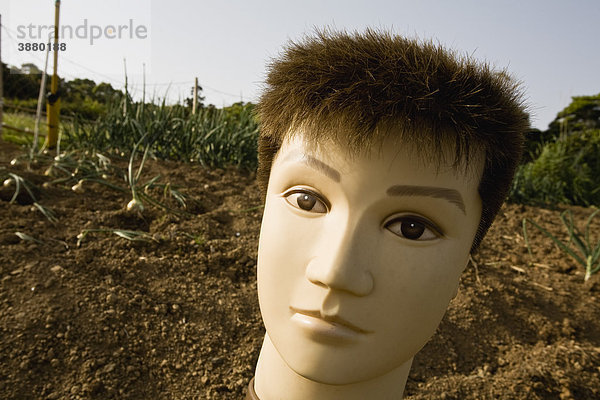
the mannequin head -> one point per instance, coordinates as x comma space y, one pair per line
377, 241
383, 162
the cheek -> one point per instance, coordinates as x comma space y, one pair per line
420, 282
284, 252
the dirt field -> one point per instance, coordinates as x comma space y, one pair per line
177, 317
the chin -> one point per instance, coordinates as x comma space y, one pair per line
329, 377
324, 367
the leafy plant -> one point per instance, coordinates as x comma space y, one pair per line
198, 238
28, 238
589, 253
135, 203
567, 171
77, 166
125, 234
140, 193
23, 122
21, 184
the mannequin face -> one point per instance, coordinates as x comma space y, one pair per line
359, 257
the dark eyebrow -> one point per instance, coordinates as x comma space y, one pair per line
453, 196
314, 163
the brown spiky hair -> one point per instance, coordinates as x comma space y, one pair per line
362, 87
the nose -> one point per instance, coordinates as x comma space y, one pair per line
342, 261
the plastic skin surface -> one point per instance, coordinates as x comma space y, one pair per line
358, 259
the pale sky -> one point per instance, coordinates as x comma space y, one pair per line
551, 46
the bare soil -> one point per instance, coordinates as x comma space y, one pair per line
177, 317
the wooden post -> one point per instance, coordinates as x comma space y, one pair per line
126, 99
38, 112
1, 80
144, 85
195, 99
53, 104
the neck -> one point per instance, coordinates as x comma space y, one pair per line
274, 379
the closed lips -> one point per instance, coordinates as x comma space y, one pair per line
331, 319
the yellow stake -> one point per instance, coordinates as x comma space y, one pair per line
53, 100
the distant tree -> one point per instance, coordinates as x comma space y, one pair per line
30, 69
77, 90
236, 109
19, 83
582, 113
534, 141
104, 93
189, 102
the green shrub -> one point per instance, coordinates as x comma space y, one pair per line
86, 109
566, 171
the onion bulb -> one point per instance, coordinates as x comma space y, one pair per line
135, 205
78, 188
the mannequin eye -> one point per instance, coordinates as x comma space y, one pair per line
306, 200
413, 228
